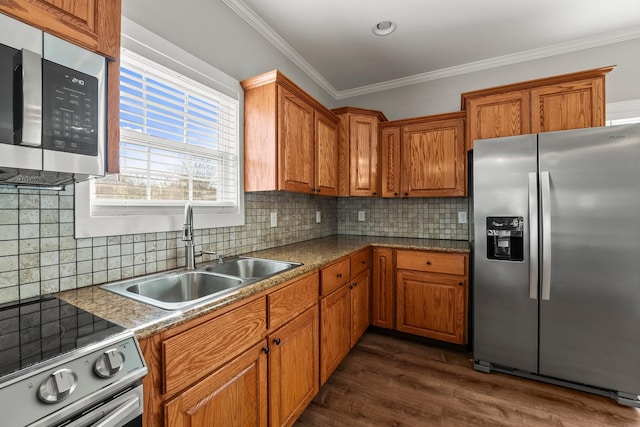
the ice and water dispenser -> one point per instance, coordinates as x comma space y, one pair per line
504, 238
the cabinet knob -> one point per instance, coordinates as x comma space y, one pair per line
276, 341
350, 287
460, 283
339, 275
318, 190
363, 262
406, 194
375, 193
428, 262
265, 350
355, 284
395, 194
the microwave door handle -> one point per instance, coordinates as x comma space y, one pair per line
28, 99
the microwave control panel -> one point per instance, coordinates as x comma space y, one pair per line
70, 110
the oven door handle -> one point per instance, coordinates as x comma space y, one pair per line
114, 418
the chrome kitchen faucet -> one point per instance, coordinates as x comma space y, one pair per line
190, 254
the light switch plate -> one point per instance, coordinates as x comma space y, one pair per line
462, 217
318, 217
274, 219
360, 215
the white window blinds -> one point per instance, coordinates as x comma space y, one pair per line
179, 141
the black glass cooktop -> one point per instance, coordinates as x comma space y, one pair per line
39, 329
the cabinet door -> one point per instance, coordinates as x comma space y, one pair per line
432, 306
383, 287
569, 105
335, 330
363, 137
433, 159
502, 114
293, 368
326, 134
92, 24
296, 143
360, 306
234, 395
390, 162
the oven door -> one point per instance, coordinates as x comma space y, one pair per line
123, 410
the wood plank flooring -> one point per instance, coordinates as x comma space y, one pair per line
389, 381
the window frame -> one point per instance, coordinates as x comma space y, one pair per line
169, 216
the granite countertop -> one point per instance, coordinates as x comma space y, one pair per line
146, 320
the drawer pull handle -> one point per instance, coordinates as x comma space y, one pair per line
276, 341
428, 262
339, 275
460, 283
363, 262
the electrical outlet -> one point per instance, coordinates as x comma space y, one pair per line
462, 217
318, 217
361, 216
274, 219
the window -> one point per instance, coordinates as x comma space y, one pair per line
179, 141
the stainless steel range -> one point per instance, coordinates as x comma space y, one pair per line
63, 366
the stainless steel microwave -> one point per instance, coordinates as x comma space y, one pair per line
52, 108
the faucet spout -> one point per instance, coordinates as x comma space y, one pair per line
187, 237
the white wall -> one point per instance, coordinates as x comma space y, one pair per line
443, 95
214, 33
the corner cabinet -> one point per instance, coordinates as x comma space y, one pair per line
424, 156
358, 151
421, 293
568, 101
291, 140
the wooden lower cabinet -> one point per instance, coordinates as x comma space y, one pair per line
233, 396
360, 306
383, 289
293, 368
432, 305
335, 332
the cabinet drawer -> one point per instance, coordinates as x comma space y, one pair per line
288, 302
203, 348
433, 262
335, 275
360, 262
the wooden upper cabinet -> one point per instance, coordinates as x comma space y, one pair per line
290, 138
326, 155
563, 102
92, 24
424, 156
390, 162
358, 151
502, 114
295, 130
571, 105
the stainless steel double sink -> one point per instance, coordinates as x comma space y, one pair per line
178, 290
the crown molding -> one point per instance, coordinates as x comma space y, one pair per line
240, 8
258, 24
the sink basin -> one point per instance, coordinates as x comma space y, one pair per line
250, 268
178, 290
183, 289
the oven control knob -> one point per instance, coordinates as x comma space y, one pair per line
109, 363
58, 386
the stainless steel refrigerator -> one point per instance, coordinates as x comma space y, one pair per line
556, 291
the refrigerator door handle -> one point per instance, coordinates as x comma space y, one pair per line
546, 235
533, 235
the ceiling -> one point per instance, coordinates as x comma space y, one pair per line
333, 42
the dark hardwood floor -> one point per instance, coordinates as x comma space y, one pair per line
388, 381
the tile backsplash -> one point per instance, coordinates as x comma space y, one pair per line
39, 255
429, 218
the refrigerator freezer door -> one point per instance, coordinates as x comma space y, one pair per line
589, 324
505, 314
